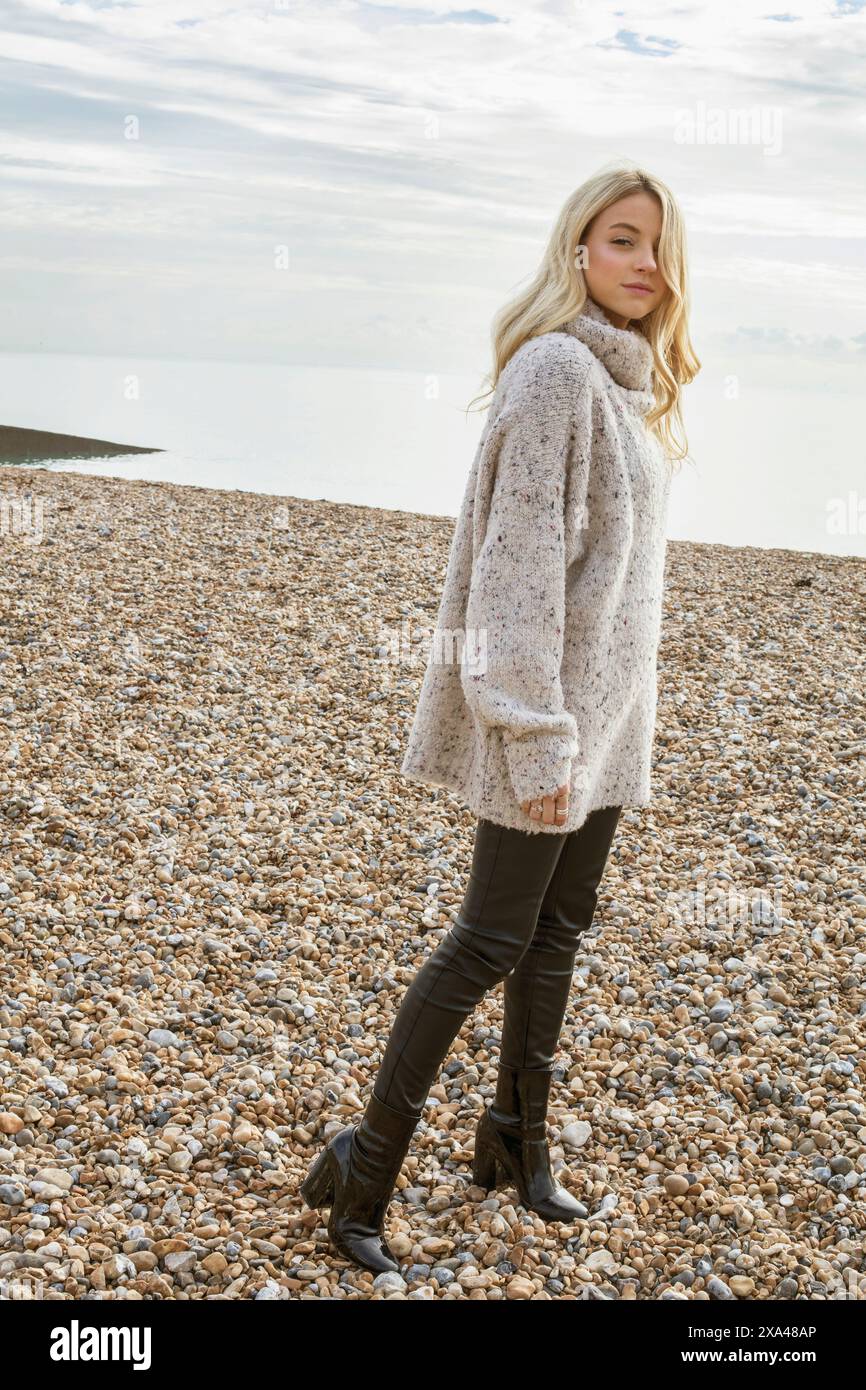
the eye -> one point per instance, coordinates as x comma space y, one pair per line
627, 241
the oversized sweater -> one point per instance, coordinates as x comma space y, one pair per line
542, 664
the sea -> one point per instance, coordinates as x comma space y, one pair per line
770, 465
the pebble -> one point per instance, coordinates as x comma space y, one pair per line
54, 1177
215, 887
676, 1184
574, 1136
601, 1260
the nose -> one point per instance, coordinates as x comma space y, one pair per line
647, 261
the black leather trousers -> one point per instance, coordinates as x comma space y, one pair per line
530, 896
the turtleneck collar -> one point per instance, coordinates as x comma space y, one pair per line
625, 353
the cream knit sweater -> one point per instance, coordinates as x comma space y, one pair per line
542, 664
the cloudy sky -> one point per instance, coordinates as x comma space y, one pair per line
362, 185
348, 183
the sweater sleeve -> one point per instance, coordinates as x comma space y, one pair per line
515, 613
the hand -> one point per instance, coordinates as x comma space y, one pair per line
550, 810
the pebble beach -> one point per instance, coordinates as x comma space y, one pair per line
215, 886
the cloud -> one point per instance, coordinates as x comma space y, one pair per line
415, 150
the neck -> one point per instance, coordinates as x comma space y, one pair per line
618, 320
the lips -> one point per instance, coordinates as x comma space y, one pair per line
640, 289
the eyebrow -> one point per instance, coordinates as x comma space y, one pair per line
629, 225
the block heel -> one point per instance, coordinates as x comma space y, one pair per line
484, 1165
317, 1189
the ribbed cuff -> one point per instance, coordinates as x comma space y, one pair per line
539, 763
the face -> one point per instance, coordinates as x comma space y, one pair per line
621, 245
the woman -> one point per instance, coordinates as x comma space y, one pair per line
544, 724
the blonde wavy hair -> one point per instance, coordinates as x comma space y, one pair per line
558, 292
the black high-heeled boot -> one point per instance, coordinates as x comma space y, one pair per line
511, 1144
355, 1174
